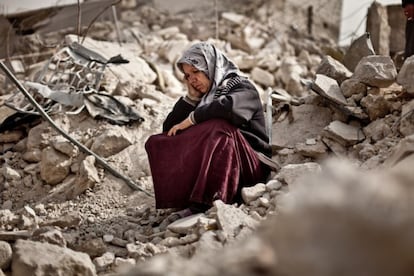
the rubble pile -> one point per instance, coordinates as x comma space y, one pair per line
62, 211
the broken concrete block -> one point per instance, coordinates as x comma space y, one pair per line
38, 137
111, 142
273, 185
344, 134
173, 49
10, 173
335, 147
54, 166
376, 71
334, 69
375, 105
404, 148
405, 76
377, 130
358, 49
231, 219
351, 87
252, 38
62, 145
262, 77
379, 28
104, 262
250, 194
293, 173
290, 72
31, 258
5, 254
184, 225
328, 88
87, 178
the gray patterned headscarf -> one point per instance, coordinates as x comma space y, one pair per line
208, 59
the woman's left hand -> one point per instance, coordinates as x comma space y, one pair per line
181, 126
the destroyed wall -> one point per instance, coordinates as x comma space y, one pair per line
320, 17
324, 16
396, 20
386, 24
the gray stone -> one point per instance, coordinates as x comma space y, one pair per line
93, 247
172, 49
293, 173
38, 137
379, 28
262, 77
104, 262
72, 219
50, 235
377, 130
273, 185
87, 177
138, 250
403, 149
231, 219
405, 76
290, 73
376, 71
376, 106
344, 134
334, 69
185, 224
54, 166
359, 48
35, 258
250, 194
111, 141
5, 255
10, 173
328, 88
317, 150
351, 87
63, 145
34, 155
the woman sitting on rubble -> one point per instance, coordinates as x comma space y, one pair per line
211, 139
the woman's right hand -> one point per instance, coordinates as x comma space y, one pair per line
193, 93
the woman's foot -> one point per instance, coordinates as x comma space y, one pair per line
179, 215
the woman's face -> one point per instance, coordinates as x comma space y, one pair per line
197, 79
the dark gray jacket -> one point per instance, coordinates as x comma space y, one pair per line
240, 105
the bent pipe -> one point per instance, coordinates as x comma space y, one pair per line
83, 148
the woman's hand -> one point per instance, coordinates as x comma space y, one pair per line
193, 93
181, 126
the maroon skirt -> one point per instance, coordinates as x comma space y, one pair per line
203, 163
